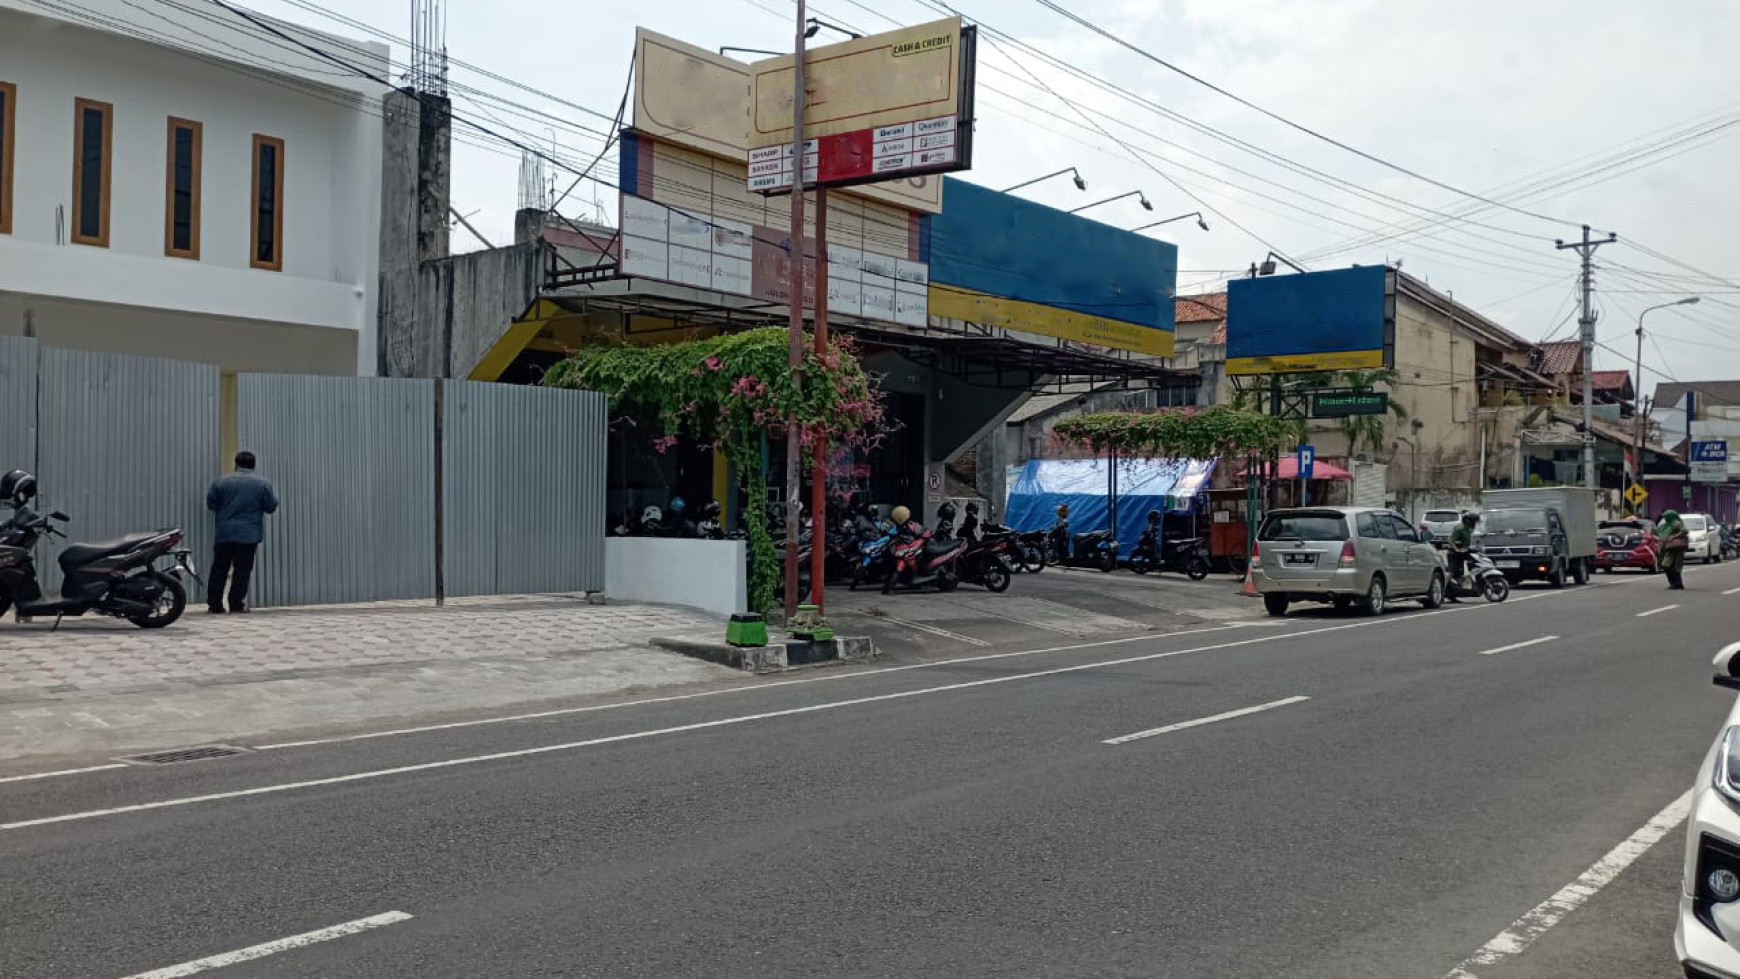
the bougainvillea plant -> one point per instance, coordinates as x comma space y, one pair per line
726, 393
1221, 431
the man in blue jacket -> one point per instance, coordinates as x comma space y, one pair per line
241, 501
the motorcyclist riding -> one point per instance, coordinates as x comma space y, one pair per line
1461, 544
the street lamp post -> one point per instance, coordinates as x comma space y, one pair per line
1080, 184
1193, 214
1637, 373
1134, 193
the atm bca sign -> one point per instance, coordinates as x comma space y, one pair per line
1710, 461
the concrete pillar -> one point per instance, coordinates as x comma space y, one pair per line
396, 326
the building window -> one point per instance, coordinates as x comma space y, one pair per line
93, 131
267, 237
8, 127
181, 208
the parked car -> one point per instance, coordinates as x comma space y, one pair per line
1627, 544
1439, 523
1702, 539
1348, 556
1707, 935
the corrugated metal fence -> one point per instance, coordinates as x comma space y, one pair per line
128, 444
125, 444
524, 489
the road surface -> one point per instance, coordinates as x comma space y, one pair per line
1323, 796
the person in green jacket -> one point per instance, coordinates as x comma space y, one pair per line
1671, 531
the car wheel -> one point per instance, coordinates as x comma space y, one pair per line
1275, 605
1435, 594
1581, 573
1557, 578
1376, 596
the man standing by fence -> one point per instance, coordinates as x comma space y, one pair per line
241, 501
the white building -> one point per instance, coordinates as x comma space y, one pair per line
175, 181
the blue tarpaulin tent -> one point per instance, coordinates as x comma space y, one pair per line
1143, 485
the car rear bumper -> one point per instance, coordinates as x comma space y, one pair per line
1634, 559
1341, 581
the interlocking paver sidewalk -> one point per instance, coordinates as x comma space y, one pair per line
103, 685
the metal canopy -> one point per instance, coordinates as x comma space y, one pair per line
971, 352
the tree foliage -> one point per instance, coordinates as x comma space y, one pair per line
726, 393
1222, 431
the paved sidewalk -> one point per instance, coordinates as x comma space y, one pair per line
106, 686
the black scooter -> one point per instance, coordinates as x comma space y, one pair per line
115, 577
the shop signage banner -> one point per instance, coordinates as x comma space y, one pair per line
1313, 321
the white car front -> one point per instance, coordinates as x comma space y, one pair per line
1707, 937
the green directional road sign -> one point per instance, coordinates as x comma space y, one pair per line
1341, 404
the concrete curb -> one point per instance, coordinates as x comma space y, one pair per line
775, 657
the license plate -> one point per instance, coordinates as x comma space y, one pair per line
1617, 555
1508, 564
1298, 559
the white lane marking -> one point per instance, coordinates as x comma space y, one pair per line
678, 729
756, 688
1181, 725
273, 948
64, 771
1656, 611
1517, 645
1525, 930
921, 627
1732, 591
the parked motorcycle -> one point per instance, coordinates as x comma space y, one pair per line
918, 558
117, 577
1730, 544
1187, 555
1480, 578
986, 559
1028, 551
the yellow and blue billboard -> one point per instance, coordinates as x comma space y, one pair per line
998, 260
1314, 321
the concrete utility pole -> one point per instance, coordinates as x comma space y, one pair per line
793, 444
1586, 249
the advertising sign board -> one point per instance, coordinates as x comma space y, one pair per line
1710, 461
1313, 321
892, 105
1343, 404
699, 99
998, 260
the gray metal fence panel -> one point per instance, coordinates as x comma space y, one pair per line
353, 461
17, 403
524, 487
126, 444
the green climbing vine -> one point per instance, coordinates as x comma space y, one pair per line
726, 393
1218, 432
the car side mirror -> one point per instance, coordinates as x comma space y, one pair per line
63, 518
1727, 667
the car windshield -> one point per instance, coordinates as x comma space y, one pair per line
1695, 522
1441, 516
1514, 521
1304, 526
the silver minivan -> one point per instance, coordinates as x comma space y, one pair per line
1349, 556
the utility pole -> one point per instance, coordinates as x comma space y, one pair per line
795, 343
1637, 411
1586, 249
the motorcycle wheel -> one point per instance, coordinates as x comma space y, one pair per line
888, 581
946, 580
1032, 559
996, 578
1495, 589
1140, 564
1196, 568
1052, 557
169, 605
1108, 561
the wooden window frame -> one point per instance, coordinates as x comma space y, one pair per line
277, 262
80, 107
192, 251
8, 153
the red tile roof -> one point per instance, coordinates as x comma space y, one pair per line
1560, 357
1206, 308
1610, 380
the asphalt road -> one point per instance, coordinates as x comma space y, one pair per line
1380, 799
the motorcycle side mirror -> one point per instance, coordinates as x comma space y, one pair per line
63, 518
1727, 666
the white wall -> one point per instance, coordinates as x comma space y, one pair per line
710, 575
331, 129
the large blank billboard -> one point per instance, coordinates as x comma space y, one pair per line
1314, 321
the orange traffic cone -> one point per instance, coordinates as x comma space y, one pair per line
1249, 588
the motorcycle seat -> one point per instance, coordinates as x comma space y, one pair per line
78, 555
935, 548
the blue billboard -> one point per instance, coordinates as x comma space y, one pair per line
1313, 321
999, 260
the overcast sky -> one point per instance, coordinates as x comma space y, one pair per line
1482, 95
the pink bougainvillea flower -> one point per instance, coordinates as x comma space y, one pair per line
713, 363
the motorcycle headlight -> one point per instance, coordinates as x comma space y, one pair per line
1726, 777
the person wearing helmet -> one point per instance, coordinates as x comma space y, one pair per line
1461, 545
652, 521
900, 515
945, 521
1671, 531
17, 488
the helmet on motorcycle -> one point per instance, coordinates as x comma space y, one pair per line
900, 515
678, 504
1063, 509
973, 508
17, 487
1153, 516
945, 512
652, 516
1470, 518
711, 510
